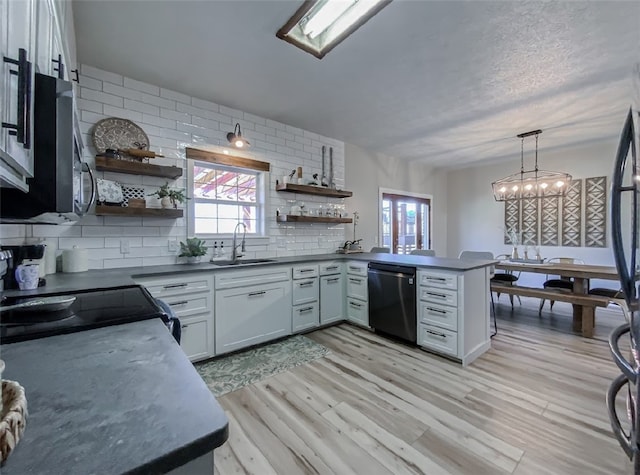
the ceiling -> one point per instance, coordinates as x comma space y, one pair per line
443, 83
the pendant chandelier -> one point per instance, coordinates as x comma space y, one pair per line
530, 183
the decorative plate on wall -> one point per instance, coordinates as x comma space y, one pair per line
116, 133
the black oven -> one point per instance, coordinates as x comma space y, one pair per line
63, 187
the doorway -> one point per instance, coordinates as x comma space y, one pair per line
405, 222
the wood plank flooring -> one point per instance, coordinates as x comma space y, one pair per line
533, 404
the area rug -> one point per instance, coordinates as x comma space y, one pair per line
233, 372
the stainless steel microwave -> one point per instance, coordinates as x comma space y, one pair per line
59, 190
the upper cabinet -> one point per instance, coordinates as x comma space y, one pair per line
17, 46
35, 36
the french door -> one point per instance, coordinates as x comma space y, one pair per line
406, 223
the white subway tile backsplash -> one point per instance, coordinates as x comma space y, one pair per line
86, 81
172, 121
111, 111
147, 109
96, 73
206, 105
87, 105
158, 121
119, 263
83, 242
102, 97
46, 231
141, 86
176, 96
9, 231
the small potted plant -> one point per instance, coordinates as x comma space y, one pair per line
169, 196
193, 250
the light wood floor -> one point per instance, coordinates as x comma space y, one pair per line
533, 404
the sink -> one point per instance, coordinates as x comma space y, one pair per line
240, 262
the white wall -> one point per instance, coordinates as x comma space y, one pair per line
173, 121
366, 173
476, 220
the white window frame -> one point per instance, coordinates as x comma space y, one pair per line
262, 179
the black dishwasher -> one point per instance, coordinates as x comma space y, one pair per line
392, 300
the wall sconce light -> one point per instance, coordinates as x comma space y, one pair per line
236, 139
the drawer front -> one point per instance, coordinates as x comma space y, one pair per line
441, 280
306, 316
191, 304
441, 316
438, 339
357, 287
256, 276
330, 268
161, 288
357, 268
304, 272
357, 311
441, 296
305, 291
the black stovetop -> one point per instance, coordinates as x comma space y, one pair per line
91, 309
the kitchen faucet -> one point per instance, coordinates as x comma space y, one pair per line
234, 246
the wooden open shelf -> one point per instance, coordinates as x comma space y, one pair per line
293, 218
106, 164
313, 190
102, 210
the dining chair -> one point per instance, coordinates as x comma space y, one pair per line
484, 255
507, 278
380, 250
423, 252
561, 284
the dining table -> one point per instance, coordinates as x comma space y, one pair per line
579, 274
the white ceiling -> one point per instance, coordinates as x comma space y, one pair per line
445, 83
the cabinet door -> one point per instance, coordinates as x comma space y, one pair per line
45, 22
196, 338
249, 315
18, 31
331, 299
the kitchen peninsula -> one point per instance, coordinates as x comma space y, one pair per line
452, 298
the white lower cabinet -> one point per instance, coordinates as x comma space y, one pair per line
196, 337
190, 296
453, 312
357, 311
250, 314
331, 298
305, 313
357, 293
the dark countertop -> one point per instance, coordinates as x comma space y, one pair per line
120, 399
105, 278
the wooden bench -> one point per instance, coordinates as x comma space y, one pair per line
583, 305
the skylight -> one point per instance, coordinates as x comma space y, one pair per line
320, 25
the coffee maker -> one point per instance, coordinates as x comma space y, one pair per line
18, 254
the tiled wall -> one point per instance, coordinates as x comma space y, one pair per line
173, 121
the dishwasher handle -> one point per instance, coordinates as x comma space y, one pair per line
375, 268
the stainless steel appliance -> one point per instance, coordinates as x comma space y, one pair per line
58, 191
42, 316
392, 300
625, 222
